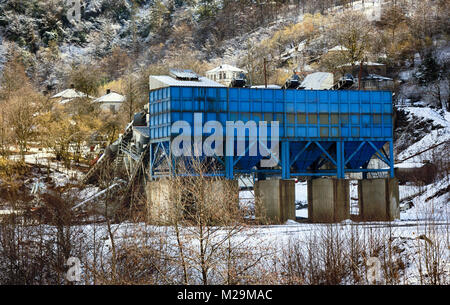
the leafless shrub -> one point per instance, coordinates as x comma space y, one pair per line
212, 241
34, 250
432, 257
338, 254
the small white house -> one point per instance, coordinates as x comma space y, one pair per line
224, 74
111, 101
68, 95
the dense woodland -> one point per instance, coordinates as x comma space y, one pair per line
118, 43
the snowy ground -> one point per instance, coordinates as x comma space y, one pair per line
422, 208
407, 238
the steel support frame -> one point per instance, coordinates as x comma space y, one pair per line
336, 157
338, 160
160, 153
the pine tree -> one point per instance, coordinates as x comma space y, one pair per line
428, 71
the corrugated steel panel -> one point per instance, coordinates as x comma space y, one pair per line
301, 114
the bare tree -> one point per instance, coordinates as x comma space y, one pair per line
353, 31
22, 116
210, 235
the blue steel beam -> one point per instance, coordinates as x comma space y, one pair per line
313, 174
300, 153
270, 152
379, 156
246, 151
367, 170
325, 152
229, 164
340, 160
354, 153
285, 164
391, 155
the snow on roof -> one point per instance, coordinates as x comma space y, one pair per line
268, 87
225, 67
70, 94
318, 81
163, 81
183, 74
365, 63
142, 130
112, 97
308, 68
338, 48
375, 77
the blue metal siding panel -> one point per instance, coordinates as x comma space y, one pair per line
369, 113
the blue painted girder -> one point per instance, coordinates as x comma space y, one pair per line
309, 156
364, 154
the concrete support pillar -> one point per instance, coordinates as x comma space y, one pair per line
275, 200
328, 200
163, 197
379, 199
222, 193
160, 208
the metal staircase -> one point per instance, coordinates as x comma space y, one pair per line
139, 165
114, 159
95, 168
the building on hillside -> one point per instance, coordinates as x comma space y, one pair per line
224, 74
376, 82
68, 95
111, 101
368, 68
318, 81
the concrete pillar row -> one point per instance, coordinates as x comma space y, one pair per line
328, 200
379, 199
275, 200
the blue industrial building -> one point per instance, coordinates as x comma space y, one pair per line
321, 132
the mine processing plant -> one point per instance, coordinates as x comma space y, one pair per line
324, 136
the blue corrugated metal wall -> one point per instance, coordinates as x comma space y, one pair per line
302, 114
354, 124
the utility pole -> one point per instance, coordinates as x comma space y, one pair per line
359, 74
265, 72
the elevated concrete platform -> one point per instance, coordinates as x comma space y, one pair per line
328, 200
275, 200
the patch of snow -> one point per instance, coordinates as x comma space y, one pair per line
291, 222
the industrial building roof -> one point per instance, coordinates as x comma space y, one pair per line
264, 87
163, 81
318, 81
143, 130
